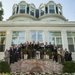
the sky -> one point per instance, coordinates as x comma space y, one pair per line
68, 7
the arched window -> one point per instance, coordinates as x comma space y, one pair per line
51, 9
22, 8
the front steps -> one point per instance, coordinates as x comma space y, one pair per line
34, 65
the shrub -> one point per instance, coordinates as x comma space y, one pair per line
69, 67
4, 67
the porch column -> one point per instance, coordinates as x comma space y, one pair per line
64, 39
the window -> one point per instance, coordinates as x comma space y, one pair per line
46, 10
71, 41
57, 10
33, 35
40, 36
51, 9
32, 11
55, 38
22, 8
42, 11
27, 10
37, 36
2, 41
18, 37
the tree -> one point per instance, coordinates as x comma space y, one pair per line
1, 11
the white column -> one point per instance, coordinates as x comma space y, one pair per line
46, 36
26, 9
44, 10
48, 9
29, 9
8, 39
55, 8
15, 10
64, 40
27, 35
34, 12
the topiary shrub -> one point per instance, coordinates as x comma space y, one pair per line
69, 67
4, 67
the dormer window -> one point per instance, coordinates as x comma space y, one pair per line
22, 8
51, 9
32, 11
42, 11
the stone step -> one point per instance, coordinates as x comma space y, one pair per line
34, 65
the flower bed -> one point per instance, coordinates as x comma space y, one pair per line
36, 73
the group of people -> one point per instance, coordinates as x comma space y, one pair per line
32, 50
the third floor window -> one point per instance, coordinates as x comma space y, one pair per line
51, 9
22, 9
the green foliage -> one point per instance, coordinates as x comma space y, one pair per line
69, 67
4, 67
1, 11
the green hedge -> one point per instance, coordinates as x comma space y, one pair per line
69, 67
4, 67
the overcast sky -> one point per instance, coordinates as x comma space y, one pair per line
68, 7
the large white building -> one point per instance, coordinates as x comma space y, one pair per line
45, 24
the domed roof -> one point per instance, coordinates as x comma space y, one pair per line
52, 17
51, 2
21, 17
22, 2
46, 12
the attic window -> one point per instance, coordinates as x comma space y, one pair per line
51, 9
22, 9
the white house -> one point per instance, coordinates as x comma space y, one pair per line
45, 24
